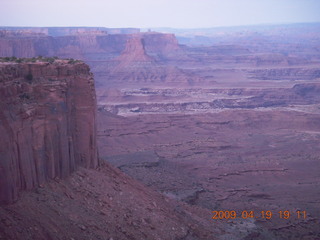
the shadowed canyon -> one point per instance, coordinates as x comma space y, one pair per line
150, 135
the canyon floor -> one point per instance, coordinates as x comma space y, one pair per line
241, 155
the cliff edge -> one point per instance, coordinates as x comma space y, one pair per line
47, 123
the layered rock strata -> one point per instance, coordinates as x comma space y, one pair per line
47, 123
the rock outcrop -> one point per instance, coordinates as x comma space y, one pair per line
137, 65
88, 45
47, 123
84, 45
134, 51
162, 46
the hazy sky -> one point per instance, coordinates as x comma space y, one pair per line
156, 13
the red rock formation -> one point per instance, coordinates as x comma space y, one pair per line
47, 115
100, 51
135, 65
134, 51
164, 46
83, 43
224, 62
19, 47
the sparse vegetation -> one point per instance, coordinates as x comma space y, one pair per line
73, 61
8, 59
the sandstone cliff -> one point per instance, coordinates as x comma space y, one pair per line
140, 67
47, 123
101, 50
87, 45
163, 46
134, 51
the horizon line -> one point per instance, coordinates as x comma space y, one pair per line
146, 28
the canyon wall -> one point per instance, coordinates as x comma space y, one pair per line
155, 59
47, 123
101, 51
86, 45
65, 31
75, 46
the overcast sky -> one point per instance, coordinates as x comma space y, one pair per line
156, 13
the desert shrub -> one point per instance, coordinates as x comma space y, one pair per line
72, 61
9, 59
50, 60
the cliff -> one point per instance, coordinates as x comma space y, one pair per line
100, 50
47, 123
84, 44
163, 46
134, 51
138, 66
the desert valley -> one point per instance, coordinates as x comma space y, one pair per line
160, 133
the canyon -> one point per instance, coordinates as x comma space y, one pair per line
203, 120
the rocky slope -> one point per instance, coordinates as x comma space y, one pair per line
103, 204
47, 123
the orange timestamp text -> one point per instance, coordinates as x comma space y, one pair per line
245, 214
